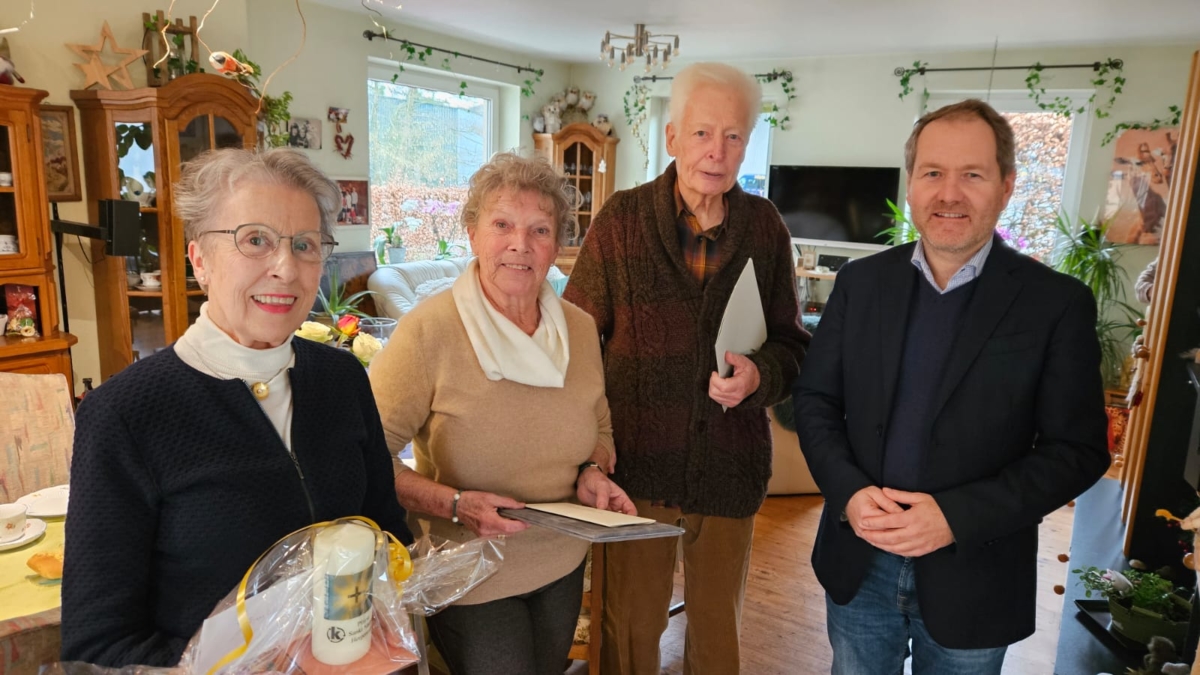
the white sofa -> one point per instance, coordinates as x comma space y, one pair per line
396, 286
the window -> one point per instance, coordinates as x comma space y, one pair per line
427, 138
1049, 157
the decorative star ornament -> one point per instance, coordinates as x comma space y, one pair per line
95, 69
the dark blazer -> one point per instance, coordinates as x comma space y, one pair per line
1019, 429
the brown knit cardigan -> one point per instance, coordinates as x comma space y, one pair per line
659, 326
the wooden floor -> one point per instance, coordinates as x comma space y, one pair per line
783, 621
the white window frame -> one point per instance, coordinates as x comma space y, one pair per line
440, 80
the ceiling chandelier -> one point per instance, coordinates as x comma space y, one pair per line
655, 47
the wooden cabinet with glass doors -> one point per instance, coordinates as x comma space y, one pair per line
25, 259
134, 143
589, 159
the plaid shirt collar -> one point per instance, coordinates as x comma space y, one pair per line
683, 214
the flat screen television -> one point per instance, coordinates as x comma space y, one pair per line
842, 206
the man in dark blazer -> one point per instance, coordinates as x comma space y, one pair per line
950, 399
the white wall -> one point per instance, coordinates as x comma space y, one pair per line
42, 59
847, 111
332, 71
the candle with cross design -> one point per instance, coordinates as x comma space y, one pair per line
343, 562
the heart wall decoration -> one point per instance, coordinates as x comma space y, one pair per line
343, 144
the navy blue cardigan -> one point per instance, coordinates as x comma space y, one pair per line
179, 482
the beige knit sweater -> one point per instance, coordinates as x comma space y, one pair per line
512, 439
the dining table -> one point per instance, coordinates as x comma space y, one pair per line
30, 614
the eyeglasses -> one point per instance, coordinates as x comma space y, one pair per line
255, 240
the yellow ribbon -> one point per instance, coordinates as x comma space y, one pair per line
400, 567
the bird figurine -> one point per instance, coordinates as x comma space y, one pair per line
8, 71
229, 66
572, 95
601, 122
586, 100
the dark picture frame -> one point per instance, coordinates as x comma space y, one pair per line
60, 153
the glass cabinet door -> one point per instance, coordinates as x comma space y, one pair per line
10, 231
137, 182
579, 166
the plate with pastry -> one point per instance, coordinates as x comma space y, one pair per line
34, 529
47, 564
47, 503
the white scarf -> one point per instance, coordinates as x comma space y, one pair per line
210, 350
504, 351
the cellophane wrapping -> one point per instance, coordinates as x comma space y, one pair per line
287, 603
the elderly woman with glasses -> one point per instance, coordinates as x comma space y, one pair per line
192, 462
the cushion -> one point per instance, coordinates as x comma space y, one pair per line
38, 423
432, 287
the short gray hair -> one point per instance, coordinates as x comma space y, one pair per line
508, 170
721, 75
215, 174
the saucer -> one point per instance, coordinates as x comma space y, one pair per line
34, 529
144, 287
47, 503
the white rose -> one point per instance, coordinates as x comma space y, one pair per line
317, 332
365, 347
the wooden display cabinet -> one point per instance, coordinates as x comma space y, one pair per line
589, 159
144, 135
25, 226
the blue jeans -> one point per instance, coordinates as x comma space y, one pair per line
870, 635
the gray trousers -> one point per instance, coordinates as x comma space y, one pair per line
527, 634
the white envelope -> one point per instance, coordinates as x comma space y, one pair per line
590, 515
743, 327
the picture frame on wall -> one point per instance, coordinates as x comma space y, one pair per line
356, 202
60, 153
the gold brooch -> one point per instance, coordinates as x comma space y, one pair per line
261, 390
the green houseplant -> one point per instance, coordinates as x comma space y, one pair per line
1085, 253
1142, 604
902, 232
389, 246
336, 304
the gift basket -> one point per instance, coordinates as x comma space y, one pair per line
333, 597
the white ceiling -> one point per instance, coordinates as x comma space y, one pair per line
571, 30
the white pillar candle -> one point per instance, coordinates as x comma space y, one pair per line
343, 558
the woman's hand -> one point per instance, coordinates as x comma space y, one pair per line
477, 510
596, 490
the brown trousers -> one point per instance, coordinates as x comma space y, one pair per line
639, 579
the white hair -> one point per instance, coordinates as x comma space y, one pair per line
721, 75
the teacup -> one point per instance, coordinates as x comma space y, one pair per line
12, 522
5, 179
152, 279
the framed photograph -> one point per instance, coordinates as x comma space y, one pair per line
1136, 204
60, 153
304, 133
356, 203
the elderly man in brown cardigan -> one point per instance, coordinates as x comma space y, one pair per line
656, 271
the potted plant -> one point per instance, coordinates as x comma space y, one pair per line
389, 246
1085, 253
336, 305
1142, 604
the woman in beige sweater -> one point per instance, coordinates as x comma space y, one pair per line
500, 387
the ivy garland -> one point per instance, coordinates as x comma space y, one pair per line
789, 89
906, 75
1152, 125
411, 52
1108, 78
636, 99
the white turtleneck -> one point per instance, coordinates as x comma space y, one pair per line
210, 350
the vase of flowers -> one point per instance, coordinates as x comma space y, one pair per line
345, 334
1142, 604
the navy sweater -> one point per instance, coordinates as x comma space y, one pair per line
933, 322
179, 482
